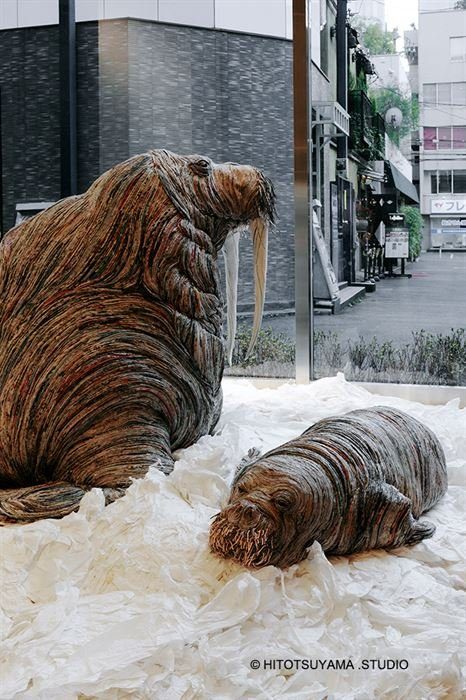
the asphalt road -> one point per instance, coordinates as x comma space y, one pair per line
434, 299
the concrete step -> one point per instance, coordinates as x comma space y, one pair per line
348, 295
351, 294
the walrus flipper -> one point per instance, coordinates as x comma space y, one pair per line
52, 500
393, 524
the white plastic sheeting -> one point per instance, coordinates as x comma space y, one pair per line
127, 602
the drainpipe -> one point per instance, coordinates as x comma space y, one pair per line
68, 121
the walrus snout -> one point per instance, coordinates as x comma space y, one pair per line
251, 193
244, 515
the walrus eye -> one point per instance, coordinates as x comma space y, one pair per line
200, 167
283, 500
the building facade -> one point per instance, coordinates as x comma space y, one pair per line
268, 17
144, 84
442, 79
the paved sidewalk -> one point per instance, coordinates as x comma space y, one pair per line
434, 299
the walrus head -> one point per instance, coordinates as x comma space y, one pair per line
264, 521
222, 199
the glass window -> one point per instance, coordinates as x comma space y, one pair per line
324, 39
430, 136
459, 181
458, 94
430, 94
433, 183
444, 93
444, 137
444, 181
459, 137
458, 48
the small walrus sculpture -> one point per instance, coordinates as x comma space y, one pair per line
111, 346
354, 482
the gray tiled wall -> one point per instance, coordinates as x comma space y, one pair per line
30, 114
147, 85
227, 96
29, 82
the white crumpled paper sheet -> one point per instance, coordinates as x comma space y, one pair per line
127, 602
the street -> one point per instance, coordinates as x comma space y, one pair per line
410, 330
434, 299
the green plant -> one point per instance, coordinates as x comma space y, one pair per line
443, 356
270, 346
413, 222
327, 349
429, 358
357, 82
377, 40
436, 358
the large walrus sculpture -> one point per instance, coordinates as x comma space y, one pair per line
111, 349
351, 483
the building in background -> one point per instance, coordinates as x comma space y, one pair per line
369, 11
442, 79
436, 5
411, 43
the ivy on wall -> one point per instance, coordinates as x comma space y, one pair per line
413, 222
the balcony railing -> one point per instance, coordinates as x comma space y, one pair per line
367, 127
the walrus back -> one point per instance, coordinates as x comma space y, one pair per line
391, 447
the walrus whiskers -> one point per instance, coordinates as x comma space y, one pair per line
351, 483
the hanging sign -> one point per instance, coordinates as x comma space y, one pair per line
396, 220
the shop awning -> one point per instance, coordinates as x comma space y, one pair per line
401, 183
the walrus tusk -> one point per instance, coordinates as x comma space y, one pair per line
259, 230
231, 257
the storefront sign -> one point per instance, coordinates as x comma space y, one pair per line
396, 220
448, 232
396, 242
448, 206
383, 203
451, 223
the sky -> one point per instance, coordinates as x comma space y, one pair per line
400, 13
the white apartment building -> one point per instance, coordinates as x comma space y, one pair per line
436, 5
442, 85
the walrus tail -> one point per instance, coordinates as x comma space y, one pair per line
54, 499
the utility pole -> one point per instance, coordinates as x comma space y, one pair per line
68, 119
